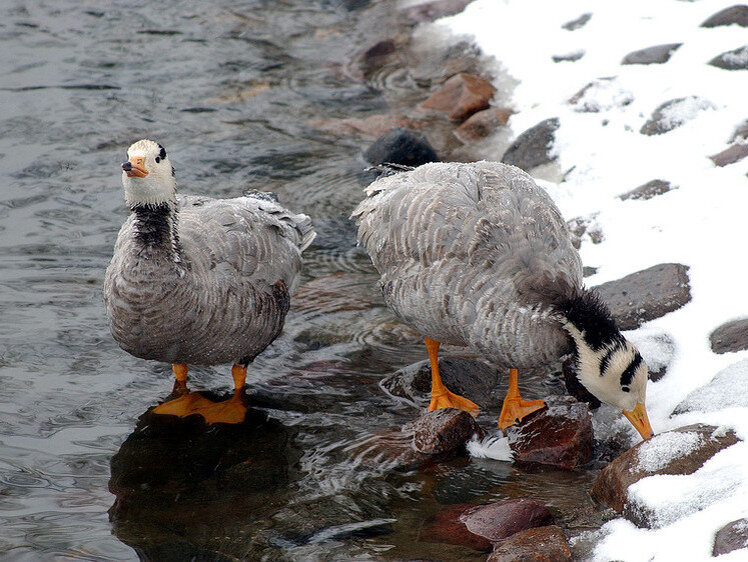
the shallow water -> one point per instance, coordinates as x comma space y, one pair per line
228, 88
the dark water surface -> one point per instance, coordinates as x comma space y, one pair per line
228, 88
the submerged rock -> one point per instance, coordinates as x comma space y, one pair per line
647, 294
737, 15
728, 389
651, 55
731, 336
540, 544
674, 113
533, 147
558, 437
732, 536
648, 190
681, 451
460, 97
737, 59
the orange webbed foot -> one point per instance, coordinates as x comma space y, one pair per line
447, 399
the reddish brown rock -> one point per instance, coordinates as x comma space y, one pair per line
559, 437
497, 521
460, 97
443, 430
732, 536
735, 153
372, 126
446, 527
611, 486
541, 544
481, 124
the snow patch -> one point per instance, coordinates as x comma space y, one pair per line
656, 453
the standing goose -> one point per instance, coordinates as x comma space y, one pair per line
196, 280
478, 255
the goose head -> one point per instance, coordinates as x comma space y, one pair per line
147, 175
607, 364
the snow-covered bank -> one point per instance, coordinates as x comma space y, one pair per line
700, 223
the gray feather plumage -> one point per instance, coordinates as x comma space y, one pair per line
222, 297
473, 255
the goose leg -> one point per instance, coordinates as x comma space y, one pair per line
515, 408
441, 397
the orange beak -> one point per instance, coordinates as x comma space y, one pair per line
640, 421
135, 167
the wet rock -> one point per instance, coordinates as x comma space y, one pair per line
443, 430
400, 146
482, 526
557, 437
432, 10
373, 57
483, 123
651, 55
568, 57
674, 113
731, 336
647, 294
373, 126
728, 389
472, 379
730, 155
681, 451
600, 95
541, 544
737, 59
577, 23
533, 147
648, 190
460, 96
732, 536
737, 15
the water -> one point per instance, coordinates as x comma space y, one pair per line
228, 88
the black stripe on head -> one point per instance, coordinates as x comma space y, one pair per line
162, 154
605, 361
628, 375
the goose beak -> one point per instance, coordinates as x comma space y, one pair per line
640, 421
135, 167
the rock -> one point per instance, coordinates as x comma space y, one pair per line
460, 96
600, 95
443, 430
682, 451
559, 436
432, 10
674, 113
731, 336
577, 23
741, 132
733, 15
648, 190
372, 126
737, 59
541, 544
497, 521
728, 389
735, 153
568, 57
400, 146
581, 226
472, 379
483, 123
588, 271
732, 536
651, 55
447, 527
647, 294
533, 147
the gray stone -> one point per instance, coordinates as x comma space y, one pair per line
672, 114
737, 59
648, 190
730, 155
540, 544
732, 536
728, 389
533, 147
651, 55
731, 336
647, 294
568, 57
737, 14
577, 23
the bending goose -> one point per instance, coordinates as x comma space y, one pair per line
478, 255
201, 281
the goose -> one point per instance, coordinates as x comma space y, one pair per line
201, 281
478, 255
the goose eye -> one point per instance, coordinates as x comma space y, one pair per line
158, 159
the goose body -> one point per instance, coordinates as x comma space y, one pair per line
478, 255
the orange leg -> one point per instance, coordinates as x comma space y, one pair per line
514, 408
180, 374
441, 397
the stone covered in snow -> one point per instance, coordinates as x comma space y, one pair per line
600, 95
731, 336
728, 389
681, 451
732, 536
674, 113
737, 59
534, 147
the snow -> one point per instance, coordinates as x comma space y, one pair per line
701, 224
661, 449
